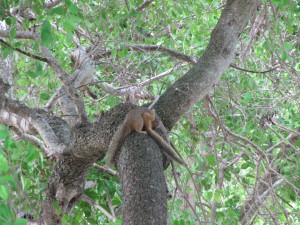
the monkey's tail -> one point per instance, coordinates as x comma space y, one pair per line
116, 144
165, 147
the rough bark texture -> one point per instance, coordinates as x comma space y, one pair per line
144, 188
220, 52
140, 161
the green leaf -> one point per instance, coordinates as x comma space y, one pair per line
283, 56
4, 192
39, 67
118, 222
8, 178
45, 96
69, 25
68, 2
217, 196
8, 21
5, 51
21, 221
7, 223
8, 143
58, 10
3, 131
46, 33
32, 74
12, 33
4, 164
18, 44
103, 14
69, 37
227, 175
288, 46
123, 52
211, 159
247, 97
292, 195
73, 9
4, 212
247, 165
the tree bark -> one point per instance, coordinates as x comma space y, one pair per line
140, 161
144, 188
140, 165
218, 55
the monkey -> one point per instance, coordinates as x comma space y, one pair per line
139, 120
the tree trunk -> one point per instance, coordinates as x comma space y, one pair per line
144, 187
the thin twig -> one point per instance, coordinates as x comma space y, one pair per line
106, 170
85, 198
24, 52
254, 71
184, 196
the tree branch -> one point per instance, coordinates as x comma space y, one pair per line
85, 198
54, 146
23, 52
254, 71
34, 140
65, 78
162, 49
19, 34
135, 91
216, 59
51, 3
106, 170
143, 5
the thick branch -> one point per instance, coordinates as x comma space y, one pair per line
220, 52
3, 89
143, 184
19, 34
71, 90
33, 139
15, 121
52, 142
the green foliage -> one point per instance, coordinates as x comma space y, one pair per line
248, 104
20, 162
46, 34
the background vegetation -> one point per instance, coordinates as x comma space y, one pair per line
252, 113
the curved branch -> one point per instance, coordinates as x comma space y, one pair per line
34, 140
254, 71
24, 52
17, 122
216, 59
178, 55
162, 49
50, 4
71, 90
19, 34
85, 198
54, 146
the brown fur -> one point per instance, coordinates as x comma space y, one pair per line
137, 120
